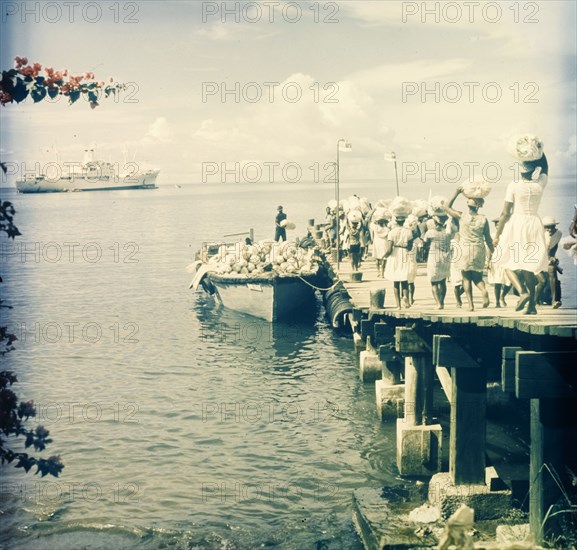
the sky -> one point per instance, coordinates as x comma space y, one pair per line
226, 91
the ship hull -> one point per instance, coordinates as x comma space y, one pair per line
63, 185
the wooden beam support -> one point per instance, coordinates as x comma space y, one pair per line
367, 328
468, 412
553, 458
545, 375
407, 341
508, 368
384, 334
444, 377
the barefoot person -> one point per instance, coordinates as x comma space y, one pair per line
520, 232
474, 235
399, 244
380, 227
438, 241
498, 278
355, 238
552, 239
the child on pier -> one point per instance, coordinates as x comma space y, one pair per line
497, 277
552, 239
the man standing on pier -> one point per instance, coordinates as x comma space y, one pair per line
280, 231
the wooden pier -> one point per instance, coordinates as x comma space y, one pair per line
410, 352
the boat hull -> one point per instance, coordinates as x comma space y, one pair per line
276, 299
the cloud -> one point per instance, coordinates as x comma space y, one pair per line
159, 130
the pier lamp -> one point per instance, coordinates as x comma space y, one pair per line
392, 157
347, 146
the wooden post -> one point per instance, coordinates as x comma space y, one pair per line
468, 412
508, 368
549, 380
413, 390
414, 348
428, 388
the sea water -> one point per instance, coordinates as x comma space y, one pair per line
182, 424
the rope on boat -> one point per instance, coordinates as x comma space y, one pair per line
316, 287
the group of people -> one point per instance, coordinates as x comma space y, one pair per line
457, 245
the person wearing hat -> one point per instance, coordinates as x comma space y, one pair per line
280, 231
497, 277
380, 232
552, 239
438, 240
397, 268
520, 234
474, 237
355, 239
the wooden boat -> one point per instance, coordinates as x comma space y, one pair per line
271, 296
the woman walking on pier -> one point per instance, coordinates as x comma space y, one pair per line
399, 244
474, 235
520, 230
438, 240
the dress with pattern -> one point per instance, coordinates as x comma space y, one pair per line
472, 255
439, 260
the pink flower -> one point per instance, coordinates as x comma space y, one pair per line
20, 61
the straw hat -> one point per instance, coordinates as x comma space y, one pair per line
549, 220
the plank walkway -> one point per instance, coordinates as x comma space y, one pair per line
560, 322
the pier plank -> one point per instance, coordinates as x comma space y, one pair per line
549, 322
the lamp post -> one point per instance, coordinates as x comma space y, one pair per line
392, 157
347, 146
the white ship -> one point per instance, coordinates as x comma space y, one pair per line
91, 175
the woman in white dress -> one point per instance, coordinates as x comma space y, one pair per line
399, 244
521, 235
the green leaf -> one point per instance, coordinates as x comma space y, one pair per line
20, 92
74, 95
38, 94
